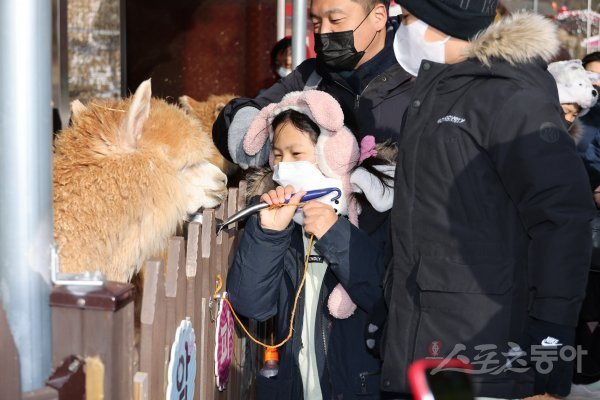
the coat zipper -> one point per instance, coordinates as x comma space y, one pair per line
357, 96
323, 333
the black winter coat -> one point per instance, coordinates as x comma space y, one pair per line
490, 223
263, 281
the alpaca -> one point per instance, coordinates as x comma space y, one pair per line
125, 174
207, 112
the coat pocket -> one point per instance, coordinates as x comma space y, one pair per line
485, 276
464, 310
366, 385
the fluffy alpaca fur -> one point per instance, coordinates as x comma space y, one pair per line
207, 112
125, 174
519, 38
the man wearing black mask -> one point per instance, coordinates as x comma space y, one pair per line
355, 64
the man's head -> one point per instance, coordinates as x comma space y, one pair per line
441, 29
456, 18
366, 18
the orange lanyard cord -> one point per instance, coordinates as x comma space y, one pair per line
292, 317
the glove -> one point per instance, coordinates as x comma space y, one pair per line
381, 197
235, 140
549, 339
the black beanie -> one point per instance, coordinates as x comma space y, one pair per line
461, 19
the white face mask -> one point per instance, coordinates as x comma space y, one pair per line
411, 48
303, 175
283, 72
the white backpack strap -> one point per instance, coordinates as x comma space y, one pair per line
313, 81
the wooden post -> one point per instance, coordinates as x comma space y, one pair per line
174, 290
10, 378
97, 323
208, 233
140, 386
193, 293
152, 356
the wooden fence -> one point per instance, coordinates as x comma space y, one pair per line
126, 362
183, 287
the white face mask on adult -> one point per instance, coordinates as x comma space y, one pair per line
283, 72
410, 47
303, 175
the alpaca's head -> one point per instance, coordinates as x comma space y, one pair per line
149, 127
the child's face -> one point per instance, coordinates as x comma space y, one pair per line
291, 144
571, 111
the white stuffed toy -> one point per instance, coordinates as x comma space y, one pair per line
574, 84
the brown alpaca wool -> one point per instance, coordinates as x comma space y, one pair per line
207, 112
125, 174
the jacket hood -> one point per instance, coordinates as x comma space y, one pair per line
517, 39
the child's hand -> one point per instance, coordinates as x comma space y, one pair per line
279, 218
318, 218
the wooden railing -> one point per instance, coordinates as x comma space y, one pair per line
130, 362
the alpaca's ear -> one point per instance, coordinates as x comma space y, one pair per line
77, 108
218, 108
189, 104
136, 116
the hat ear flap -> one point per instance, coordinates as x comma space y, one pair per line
258, 132
326, 111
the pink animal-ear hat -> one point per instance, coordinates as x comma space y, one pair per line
337, 150
337, 154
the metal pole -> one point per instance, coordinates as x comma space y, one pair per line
25, 175
298, 32
280, 19
535, 6
589, 26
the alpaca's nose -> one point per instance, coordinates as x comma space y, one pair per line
594, 92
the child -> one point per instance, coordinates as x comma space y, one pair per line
311, 149
575, 91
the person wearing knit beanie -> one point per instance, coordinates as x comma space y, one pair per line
490, 222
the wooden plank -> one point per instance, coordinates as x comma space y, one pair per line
203, 293
181, 298
240, 342
67, 333
175, 285
216, 268
123, 351
140, 386
229, 238
232, 206
208, 266
202, 282
193, 295
152, 355
98, 337
96, 379
46, 393
10, 379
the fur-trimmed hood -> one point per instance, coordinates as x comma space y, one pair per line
520, 38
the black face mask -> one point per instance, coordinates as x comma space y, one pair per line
336, 49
